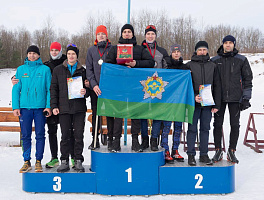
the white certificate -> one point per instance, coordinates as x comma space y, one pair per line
205, 92
75, 84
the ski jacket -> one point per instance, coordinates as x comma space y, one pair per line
93, 69
204, 72
53, 63
140, 54
59, 90
236, 75
161, 57
177, 64
32, 90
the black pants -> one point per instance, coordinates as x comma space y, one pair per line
69, 122
234, 115
94, 98
114, 125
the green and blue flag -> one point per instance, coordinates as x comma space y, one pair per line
146, 93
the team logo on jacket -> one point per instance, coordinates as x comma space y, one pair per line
153, 86
25, 75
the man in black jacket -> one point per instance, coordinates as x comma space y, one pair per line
141, 59
236, 80
204, 72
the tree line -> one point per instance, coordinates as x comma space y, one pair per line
183, 30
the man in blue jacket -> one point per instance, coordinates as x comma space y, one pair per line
31, 101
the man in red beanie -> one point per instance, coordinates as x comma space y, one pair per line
95, 57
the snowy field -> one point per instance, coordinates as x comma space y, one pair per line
249, 172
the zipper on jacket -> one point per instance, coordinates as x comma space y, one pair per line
36, 93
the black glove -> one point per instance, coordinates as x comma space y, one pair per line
244, 104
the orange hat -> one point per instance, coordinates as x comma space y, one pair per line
102, 29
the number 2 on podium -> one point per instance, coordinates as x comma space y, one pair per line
200, 179
129, 175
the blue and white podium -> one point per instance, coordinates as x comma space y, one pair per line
130, 173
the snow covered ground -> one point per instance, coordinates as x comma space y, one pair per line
249, 171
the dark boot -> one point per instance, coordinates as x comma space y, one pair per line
145, 143
92, 145
218, 155
176, 156
191, 160
205, 159
154, 144
64, 167
78, 166
231, 157
135, 145
109, 143
115, 147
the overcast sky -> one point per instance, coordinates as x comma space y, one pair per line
71, 14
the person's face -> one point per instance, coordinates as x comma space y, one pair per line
71, 56
228, 46
176, 55
150, 36
202, 51
54, 52
32, 56
127, 34
101, 37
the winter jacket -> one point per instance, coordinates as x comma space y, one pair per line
93, 69
140, 54
32, 89
53, 63
177, 64
236, 75
59, 90
161, 57
204, 72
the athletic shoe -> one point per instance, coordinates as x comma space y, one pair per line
191, 160
154, 144
26, 167
176, 156
168, 158
205, 159
64, 167
135, 145
231, 157
52, 163
218, 155
38, 167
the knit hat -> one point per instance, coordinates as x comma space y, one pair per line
150, 28
74, 48
127, 26
201, 44
55, 45
33, 48
229, 38
102, 29
175, 47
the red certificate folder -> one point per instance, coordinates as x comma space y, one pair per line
124, 53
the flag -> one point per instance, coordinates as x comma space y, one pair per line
146, 93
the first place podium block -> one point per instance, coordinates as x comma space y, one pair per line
50, 181
127, 172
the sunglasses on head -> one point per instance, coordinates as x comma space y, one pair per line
71, 45
151, 26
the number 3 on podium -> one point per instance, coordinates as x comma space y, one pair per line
57, 187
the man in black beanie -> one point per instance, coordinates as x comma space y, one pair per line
236, 77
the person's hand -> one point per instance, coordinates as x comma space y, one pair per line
97, 90
83, 91
214, 110
56, 111
86, 83
49, 111
14, 80
244, 104
198, 98
16, 112
131, 64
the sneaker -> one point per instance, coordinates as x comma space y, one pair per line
191, 160
73, 163
218, 155
176, 156
205, 159
26, 167
154, 144
78, 166
115, 145
52, 163
231, 157
145, 143
38, 167
64, 167
97, 146
168, 158
135, 145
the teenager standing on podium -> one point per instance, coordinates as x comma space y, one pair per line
141, 59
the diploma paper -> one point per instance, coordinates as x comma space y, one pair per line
75, 84
205, 92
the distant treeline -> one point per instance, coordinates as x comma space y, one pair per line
182, 30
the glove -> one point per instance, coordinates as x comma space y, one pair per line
244, 104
